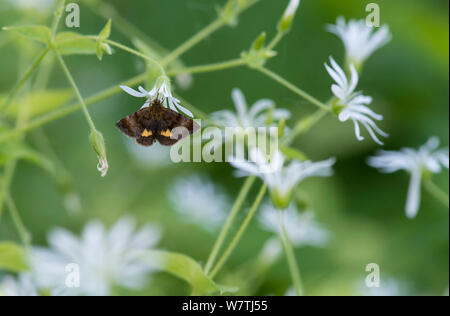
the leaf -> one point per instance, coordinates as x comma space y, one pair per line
106, 31
104, 47
38, 33
185, 268
12, 257
39, 102
71, 43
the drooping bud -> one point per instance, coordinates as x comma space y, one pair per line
98, 143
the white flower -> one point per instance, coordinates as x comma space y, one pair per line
23, 285
427, 159
199, 201
302, 228
359, 39
353, 105
102, 166
291, 8
105, 258
160, 91
281, 179
256, 116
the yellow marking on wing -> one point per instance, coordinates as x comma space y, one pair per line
146, 133
166, 133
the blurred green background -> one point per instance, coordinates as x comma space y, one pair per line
362, 208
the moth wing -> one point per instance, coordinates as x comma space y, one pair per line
138, 126
175, 127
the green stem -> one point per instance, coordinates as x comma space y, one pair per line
225, 229
204, 33
6, 183
436, 192
6, 105
208, 68
194, 40
293, 88
275, 40
240, 231
290, 256
137, 53
15, 216
58, 14
77, 92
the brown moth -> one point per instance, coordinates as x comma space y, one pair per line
157, 123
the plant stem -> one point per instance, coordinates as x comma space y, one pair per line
225, 229
208, 68
275, 41
137, 53
204, 33
6, 105
290, 256
240, 231
58, 14
77, 92
6, 183
436, 192
23, 233
293, 88
194, 40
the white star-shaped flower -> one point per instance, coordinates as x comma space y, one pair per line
281, 179
160, 91
255, 116
353, 105
417, 162
105, 258
302, 228
360, 40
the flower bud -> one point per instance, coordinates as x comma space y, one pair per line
288, 16
259, 42
98, 143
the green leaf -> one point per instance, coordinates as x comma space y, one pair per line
104, 47
12, 257
185, 268
106, 31
39, 102
38, 33
70, 43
